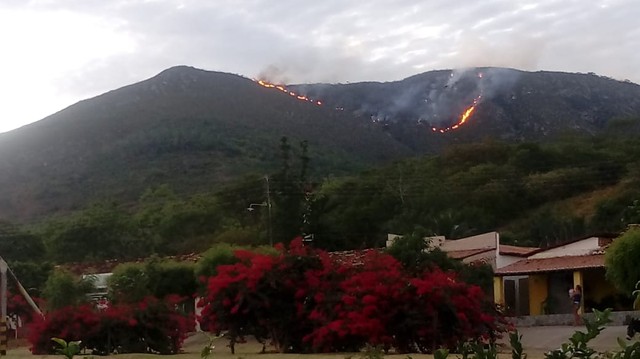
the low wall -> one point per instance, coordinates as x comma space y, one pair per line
618, 318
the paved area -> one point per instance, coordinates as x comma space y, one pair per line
542, 339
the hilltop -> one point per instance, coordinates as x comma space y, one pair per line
197, 130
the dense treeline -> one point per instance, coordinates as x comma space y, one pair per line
535, 194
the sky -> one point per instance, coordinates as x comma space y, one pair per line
57, 52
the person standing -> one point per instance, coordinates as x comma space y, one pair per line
576, 299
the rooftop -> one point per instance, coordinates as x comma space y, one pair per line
517, 251
539, 265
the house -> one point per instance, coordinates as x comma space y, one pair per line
482, 248
540, 283
533, 281
100, 285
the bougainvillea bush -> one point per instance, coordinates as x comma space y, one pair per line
303, 300
18, 307
151, 326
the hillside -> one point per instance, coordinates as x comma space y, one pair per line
190, 128
534, 194
512, 105
196, 130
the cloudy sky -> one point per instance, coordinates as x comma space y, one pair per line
57, 52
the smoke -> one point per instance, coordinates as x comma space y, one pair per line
519, 52
440, 98
436, 98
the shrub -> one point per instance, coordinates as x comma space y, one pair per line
132, 282
64, 289
303, 300
17, 306
149, 326
621, 261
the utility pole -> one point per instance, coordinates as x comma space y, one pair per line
270, 229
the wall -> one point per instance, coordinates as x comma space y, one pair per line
503, 260
600, 293
486, 240
618, 318
538, 286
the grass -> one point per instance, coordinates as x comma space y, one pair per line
194, 344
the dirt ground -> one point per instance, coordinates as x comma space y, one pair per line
536, 341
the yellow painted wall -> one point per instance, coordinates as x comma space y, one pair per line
578, 279
498, 290
597, 285
538, 291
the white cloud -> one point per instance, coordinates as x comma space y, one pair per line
58, 52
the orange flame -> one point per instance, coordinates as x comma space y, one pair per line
290, 93
463, 119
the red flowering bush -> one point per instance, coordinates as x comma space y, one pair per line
443, 311
68, 323
17, 306
303, 301
361, 307
262, 295
149, 326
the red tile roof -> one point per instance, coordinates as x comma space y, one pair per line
108, 265
537, 265
462, 254
355, 257
517, 251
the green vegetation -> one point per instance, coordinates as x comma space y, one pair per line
622, 261
534, 194
411, 251
67, 349
133, 282
63, 289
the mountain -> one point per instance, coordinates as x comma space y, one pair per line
511, 105
196, 130
190, 128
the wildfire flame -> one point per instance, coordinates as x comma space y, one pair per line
463, 118
290, 93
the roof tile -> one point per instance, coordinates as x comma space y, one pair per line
537, 265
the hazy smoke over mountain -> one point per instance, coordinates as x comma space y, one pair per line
440, 100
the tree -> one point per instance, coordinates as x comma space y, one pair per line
413, 252
132, 282
219, 254
621, 260
63, 289
19, 245
32, 275
289, 194
102, 231
163, 217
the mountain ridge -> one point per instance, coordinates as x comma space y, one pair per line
196, 129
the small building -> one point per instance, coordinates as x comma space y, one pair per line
100, 285
535, 281
540, 283
481, 248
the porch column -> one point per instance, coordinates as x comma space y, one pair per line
538, 293
578, 279
498, 290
